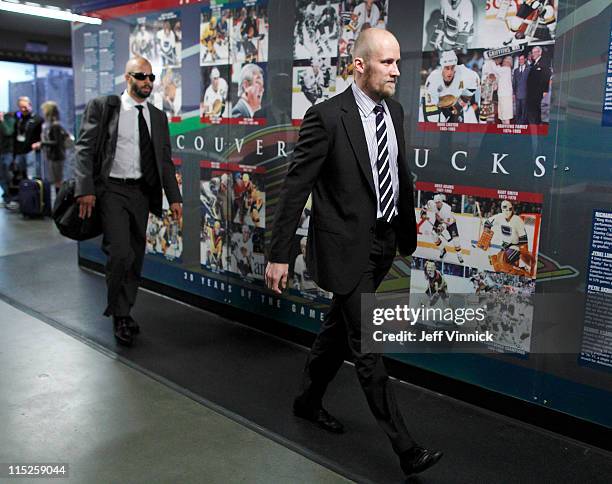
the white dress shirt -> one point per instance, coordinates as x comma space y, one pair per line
366, 107
127, 155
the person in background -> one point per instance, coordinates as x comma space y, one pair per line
125, 181
7, 130
519, 87
502, 68
53, 143
28, 127
250, 92
538, 80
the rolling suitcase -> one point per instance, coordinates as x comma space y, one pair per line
35, 198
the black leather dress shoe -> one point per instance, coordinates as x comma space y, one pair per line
418, 459
133, 325
123, 334
318, 416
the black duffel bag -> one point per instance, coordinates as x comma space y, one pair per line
66, 216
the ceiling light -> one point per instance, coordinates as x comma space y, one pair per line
29, 8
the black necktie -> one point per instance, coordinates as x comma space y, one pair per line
385, 187
147, 155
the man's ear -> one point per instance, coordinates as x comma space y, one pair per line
359, 64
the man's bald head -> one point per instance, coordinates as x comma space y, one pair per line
138, 64
138, 89
376, 57
368, 40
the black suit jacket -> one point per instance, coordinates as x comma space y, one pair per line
31, 127
92, 169
538, 80
331, 160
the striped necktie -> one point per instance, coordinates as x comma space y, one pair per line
385, 187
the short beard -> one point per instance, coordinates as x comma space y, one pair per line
139, 93
366, 78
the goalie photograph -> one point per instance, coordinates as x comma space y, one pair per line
514, 256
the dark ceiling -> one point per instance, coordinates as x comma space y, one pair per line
37, 26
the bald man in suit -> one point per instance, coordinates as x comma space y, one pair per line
351, 155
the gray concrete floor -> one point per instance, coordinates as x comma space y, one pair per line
21, 235
63, 401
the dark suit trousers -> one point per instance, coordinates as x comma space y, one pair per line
340, 337
125, 213
521, 111
534, 110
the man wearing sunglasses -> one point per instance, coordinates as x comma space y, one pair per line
123, 160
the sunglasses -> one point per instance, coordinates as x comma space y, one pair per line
141, 76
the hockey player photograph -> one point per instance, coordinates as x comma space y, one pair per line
316, 30
214, 36
370, 14
249, 33
241, 245
314, 81
437, 288
517, 22
439, 215
355, 15
165, 238
449, 25
475, 227
142, 41
165, 234
166, 43
509, 314
432, 282
301, 280
171, 87
450, 92
482, 282
213, 250
514, 256
246, 257
249, 199
488, 38
214, 189
215, 95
